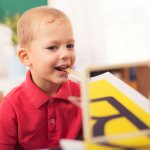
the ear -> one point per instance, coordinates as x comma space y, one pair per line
24, 57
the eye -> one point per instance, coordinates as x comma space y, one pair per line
70, 46
54, 47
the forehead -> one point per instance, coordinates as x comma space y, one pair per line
49, 21
55, 31
55, 25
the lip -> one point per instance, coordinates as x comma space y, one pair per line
61, 73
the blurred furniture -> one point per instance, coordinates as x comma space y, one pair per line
143, 80
136, 75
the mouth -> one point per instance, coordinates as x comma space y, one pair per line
61, 68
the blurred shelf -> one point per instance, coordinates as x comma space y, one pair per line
136, 75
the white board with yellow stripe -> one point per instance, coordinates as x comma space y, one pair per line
112, 108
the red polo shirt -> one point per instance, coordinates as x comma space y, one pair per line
31, 119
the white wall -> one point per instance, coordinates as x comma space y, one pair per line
109, 31
6, 48
127, 30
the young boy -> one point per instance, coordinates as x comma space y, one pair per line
37, 114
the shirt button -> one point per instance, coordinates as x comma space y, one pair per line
51, 134
52, 120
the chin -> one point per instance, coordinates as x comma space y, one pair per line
61, 81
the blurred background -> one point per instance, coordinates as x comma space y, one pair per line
109, 31
106, 32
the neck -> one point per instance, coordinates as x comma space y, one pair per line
48, 87
51, 89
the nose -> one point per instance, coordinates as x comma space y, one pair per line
64, 54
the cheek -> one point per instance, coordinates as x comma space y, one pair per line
73, 58
43, 62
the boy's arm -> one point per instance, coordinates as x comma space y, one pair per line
8, 126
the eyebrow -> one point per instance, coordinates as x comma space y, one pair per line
57, 41
71, 40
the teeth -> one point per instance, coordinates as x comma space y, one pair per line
61, 68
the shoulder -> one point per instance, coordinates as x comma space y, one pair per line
7, 104
11, 101
14, 94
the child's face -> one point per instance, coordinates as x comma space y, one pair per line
52, 47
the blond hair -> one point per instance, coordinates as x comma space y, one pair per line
30, 21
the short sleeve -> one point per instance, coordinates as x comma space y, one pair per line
8, 125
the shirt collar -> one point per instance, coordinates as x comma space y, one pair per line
37, 97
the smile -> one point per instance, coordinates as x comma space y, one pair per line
61, 68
